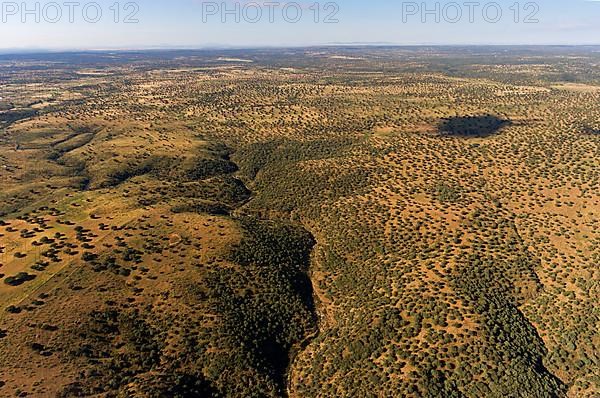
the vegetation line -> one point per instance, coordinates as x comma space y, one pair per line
297, 347
296, 350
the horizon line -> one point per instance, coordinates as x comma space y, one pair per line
43, 50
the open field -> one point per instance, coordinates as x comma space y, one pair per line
335, 222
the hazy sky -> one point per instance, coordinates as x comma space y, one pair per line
197, 23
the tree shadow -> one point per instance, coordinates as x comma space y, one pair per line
591, 130
472, 126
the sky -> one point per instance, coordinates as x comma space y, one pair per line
60, 25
